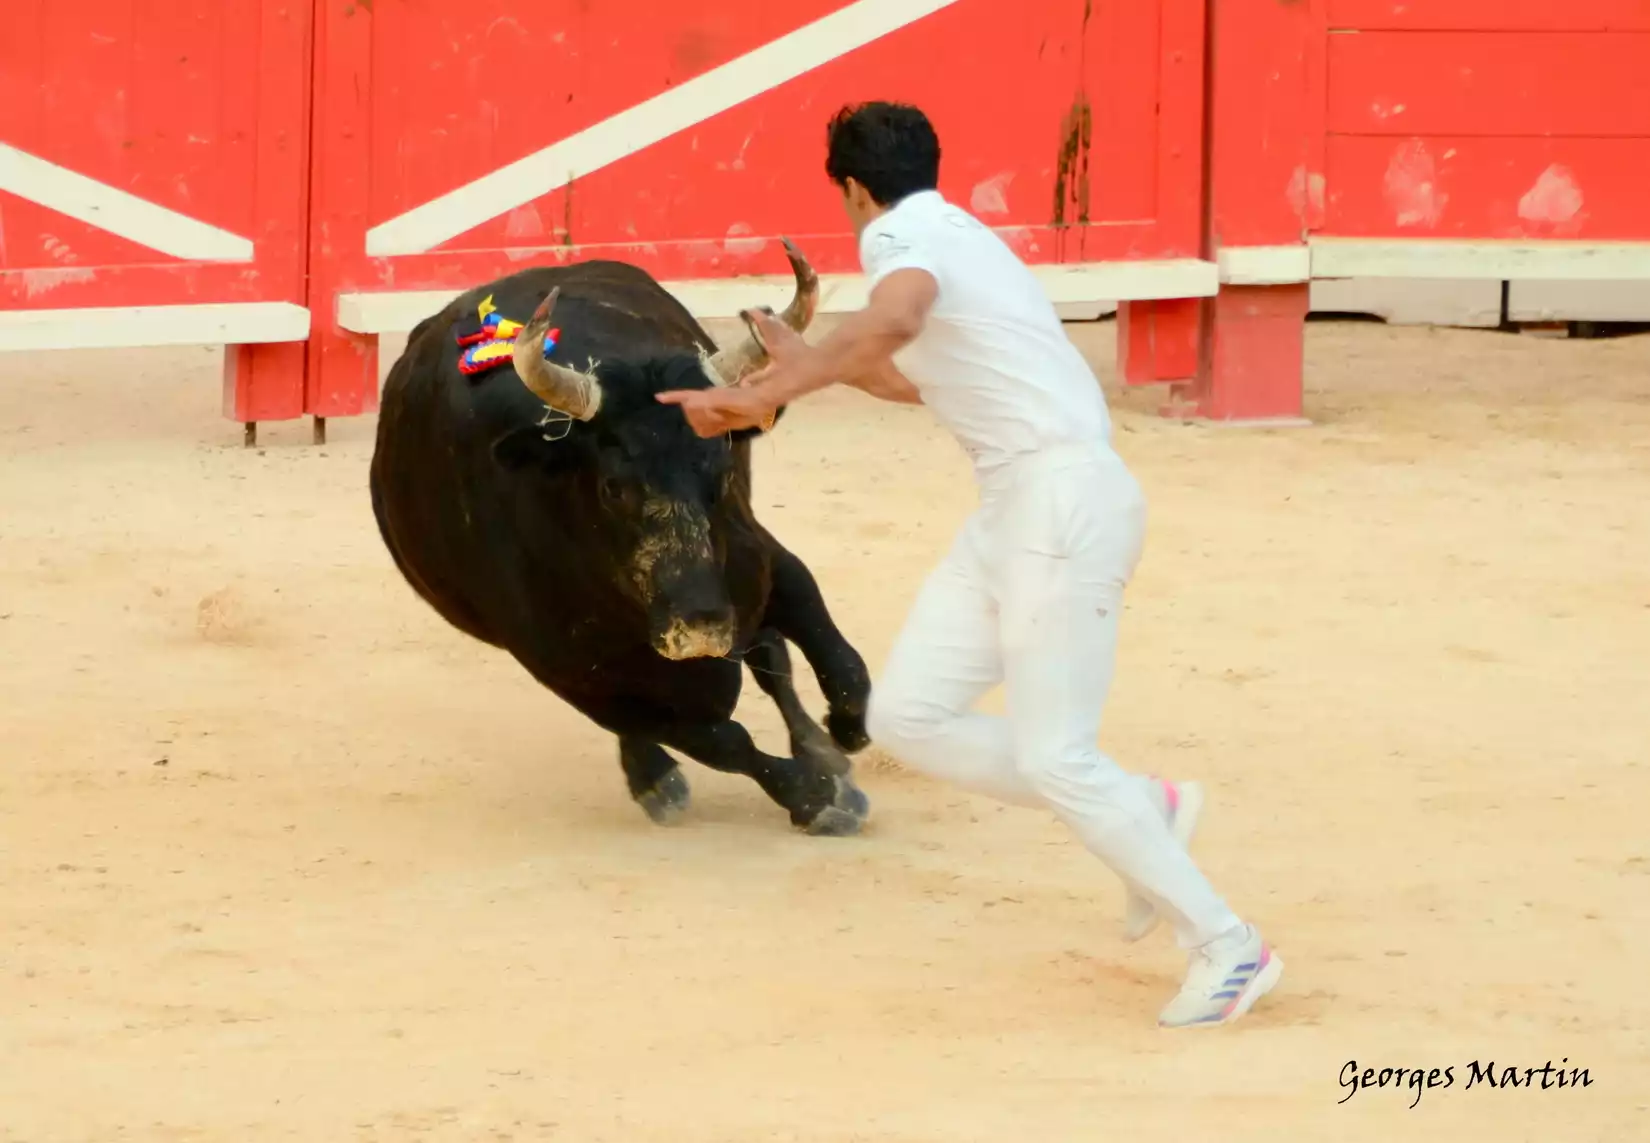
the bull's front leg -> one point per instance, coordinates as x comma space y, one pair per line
797, 611
819, 801
770, 665
692, 718
656, 782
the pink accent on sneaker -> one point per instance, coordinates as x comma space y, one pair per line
1171, 795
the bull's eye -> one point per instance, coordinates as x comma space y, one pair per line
612, 489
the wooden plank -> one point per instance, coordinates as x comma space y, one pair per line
1452, 187
1261, 154
1178, 145
1468, 83
1491, 15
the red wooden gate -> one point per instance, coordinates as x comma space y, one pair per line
457, 140
153, 182
1485, 119
157, 183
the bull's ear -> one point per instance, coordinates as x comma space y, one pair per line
528, 447
747, 434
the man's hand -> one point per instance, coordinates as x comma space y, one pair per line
749, 404
716, 412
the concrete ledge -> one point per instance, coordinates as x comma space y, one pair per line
1465, 303
1555, 261
1578, 301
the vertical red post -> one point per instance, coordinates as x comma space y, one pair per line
1158, 340
1252, 365
1265, 190
266, 382
343, 366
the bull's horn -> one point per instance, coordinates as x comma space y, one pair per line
729, 366
567, 390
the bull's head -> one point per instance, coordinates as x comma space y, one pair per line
579, 394
664, 497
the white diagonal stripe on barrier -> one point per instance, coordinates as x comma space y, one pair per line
103, 206
425, 227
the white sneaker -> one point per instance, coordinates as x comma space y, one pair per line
1181, 803
1223, 980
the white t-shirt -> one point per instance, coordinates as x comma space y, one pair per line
993, 362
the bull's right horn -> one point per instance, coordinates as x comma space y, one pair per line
567, 390
729, 366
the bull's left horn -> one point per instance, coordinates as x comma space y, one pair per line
576, 394
729, 366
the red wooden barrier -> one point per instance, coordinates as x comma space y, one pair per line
191, 171
153, 183
458, 140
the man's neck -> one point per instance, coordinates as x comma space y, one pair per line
881, 209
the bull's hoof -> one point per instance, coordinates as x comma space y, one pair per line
848, 730
832, 822
668, 800
846, 813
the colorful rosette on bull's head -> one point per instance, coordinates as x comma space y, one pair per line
489, 341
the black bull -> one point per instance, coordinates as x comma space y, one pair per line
559, 512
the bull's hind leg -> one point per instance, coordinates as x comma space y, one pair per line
656, 782
797, 611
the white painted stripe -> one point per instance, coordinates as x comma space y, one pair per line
132, 218
1081, 286
1265, 265
234, 323
425, 227
1506, 261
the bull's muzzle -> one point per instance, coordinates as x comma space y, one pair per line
695, 639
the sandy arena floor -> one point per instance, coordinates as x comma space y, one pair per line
282, 857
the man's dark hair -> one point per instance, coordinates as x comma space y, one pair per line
890, 149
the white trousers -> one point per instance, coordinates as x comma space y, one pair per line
1030, 596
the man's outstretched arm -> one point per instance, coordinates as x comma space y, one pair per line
861, 344
859, 347
887, 383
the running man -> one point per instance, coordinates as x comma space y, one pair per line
1031, 592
